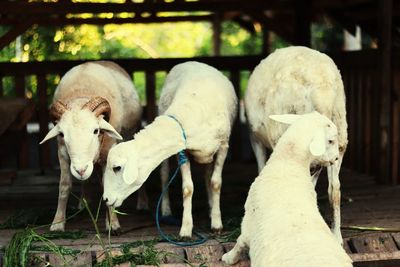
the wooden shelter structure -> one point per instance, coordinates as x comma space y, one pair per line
371, 76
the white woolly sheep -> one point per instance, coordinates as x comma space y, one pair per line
297, 80
92, 104
204, 103
282, 225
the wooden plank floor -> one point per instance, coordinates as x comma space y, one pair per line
364, 204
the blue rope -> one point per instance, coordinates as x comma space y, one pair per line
182, 159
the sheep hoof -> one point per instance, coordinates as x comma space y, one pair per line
116, 232
217, 231
228, 258
57, 227
185, 234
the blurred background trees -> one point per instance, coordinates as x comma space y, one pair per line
182, 39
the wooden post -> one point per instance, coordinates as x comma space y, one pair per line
1, 86
151, 111
236, 140
216, 35
23, 149
20, 86
302, 25
385, 69
368, 130
43, 116
266, 40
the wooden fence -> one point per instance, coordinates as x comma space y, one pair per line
359, 72
362, 79
19, 72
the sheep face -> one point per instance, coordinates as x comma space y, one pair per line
121, 177
323, 145
331, 144
82, 133
329, 136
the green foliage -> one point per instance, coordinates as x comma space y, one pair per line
17, 251
236, 41
146, 254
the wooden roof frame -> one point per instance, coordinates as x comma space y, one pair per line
21, 14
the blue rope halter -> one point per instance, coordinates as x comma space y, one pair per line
182, 159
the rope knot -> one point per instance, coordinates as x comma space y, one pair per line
182, 158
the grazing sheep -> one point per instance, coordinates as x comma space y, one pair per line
92, 104
282, 225
297, 80
203, 102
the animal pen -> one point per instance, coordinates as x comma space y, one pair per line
370, 193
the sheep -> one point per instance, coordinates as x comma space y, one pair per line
203, 104
282, 225
93, 103
297, 80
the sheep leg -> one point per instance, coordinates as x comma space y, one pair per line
216, 182
64, 189
112, 221
165, 203
233, 255
111, 217
242, 243
259, 151
187, 191
142, 200
334, 197
207, 177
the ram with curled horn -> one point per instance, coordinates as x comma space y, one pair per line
94, 106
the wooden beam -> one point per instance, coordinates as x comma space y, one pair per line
13, 33
302, 23
61, 66
147, 6
51, 20
216, 25
151, 105
385, 69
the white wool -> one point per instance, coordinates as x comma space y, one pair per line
93, 79
296, 80
80, 146
203, 101
282, 225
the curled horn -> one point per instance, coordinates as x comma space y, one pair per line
99, 106
57, 109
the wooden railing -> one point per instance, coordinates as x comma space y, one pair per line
233, 66
359, 72
363, 85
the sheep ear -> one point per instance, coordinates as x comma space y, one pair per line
317, 145
52, 133
130, 173
285, 118
108, 129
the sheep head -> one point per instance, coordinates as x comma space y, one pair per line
81, 130
315, 131
123, 175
